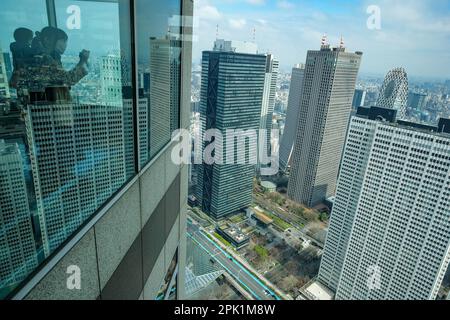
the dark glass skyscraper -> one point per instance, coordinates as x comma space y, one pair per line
231, 98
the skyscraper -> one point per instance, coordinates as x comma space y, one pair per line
327, 95
4, 79
417, 101
18, 255
389, 234
164, 89
8, 64
359, 98
394, 92
78, 161
231, 98
111, 79
115, 93
268, 102
293, 108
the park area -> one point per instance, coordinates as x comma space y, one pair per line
286, 267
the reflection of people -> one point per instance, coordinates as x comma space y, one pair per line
44, 69
21, 49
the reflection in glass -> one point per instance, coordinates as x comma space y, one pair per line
159, 65
66, 116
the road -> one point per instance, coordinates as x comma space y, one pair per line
241, 274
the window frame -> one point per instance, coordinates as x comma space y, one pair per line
26, 286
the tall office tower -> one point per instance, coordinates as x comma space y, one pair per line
394, 92
164, 89
4, 79
18, 250
417, 101
389, 234
78, 161
114, 93
231, 97
8, 64
293, 108
327, 95
143, 130
359, 98
111, 79
268, 102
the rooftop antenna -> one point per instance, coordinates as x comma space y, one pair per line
254, 35
324, 42
217, 31
342, 44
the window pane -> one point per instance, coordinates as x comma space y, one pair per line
66, 137
159, 64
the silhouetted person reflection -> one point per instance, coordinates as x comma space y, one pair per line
21, 48
40, 74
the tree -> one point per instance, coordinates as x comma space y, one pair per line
262, 252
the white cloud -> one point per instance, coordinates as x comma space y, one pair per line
284, 4
237, 23
411, 33
205, 10
256, 2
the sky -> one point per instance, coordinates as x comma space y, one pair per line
414, 34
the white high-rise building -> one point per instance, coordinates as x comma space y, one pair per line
4, 81
292, 113
165, 55
268, 102
18, 255
78, 161
326, 103
389, 233
394, 92
111, 79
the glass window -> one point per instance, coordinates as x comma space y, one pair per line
66, 123
159, 71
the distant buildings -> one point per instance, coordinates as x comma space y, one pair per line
18, 256
389, 234
417, 101
231, 98
394, 92
293, 108
359, 98
327, 95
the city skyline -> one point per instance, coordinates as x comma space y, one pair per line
131, 169
288, 29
